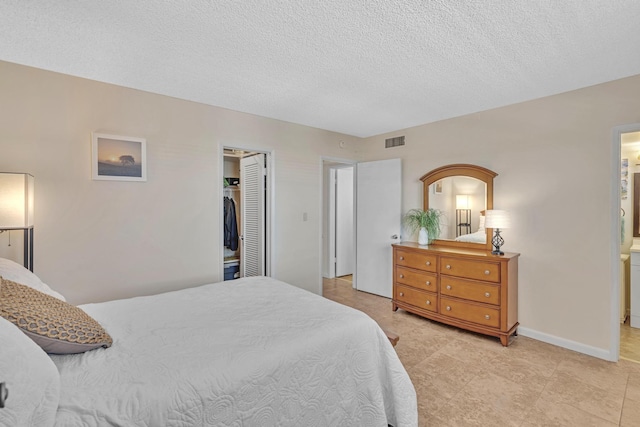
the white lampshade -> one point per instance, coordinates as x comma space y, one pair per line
497, 219
463, 201
16, 200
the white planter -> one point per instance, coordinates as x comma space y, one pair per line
423, 237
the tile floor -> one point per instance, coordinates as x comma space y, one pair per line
466, 379
629, 342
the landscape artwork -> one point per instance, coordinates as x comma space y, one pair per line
119, 158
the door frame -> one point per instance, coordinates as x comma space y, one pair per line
616, 155
270, 261
332, 163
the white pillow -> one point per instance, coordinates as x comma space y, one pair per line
481, 226
31, 378
16, 273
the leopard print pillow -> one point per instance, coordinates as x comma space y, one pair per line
56, 326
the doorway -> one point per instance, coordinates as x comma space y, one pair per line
341, 231
246, 182
629, 143
338, 227
376, 223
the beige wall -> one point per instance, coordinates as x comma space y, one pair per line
100, 240
554, 160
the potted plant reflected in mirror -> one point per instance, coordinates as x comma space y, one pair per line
427, 223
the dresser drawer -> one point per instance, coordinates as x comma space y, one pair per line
467, 289
469, 269
417, 260
417, 279
415, 297
471, 312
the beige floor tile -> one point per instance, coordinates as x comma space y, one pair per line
501, 395
472, 412
598, 401
633, 389
596, 372
548, 413
630, 414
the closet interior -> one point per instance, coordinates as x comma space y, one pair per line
232, 215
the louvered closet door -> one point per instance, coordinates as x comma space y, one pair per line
252, 184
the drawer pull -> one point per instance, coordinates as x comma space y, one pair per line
448, 267
401, 258
486, 316
448, 308
428, 262
428, 283
448, 287
487, 272
487, 294
401, 294
402, 276
428, 302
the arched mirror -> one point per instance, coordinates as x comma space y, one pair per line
463, 193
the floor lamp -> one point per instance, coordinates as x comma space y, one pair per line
16, 209
463, 214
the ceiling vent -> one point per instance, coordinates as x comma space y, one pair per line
394, 142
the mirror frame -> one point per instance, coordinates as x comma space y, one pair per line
460, 169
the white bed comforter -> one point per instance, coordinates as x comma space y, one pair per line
249, 352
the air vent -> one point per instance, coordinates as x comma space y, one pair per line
394, 142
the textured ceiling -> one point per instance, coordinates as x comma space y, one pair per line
357, 67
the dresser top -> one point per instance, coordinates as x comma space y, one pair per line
453, 250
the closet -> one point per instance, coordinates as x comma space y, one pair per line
245, 202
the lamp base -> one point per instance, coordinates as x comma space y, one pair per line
497, 241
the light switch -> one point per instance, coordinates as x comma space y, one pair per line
304, 216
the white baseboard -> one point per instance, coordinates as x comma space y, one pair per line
565, 343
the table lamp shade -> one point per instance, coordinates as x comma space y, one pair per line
497, 219
16, 200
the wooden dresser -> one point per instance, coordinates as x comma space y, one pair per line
468, 288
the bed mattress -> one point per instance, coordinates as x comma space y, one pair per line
251, 352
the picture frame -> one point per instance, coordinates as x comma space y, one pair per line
437, 187
118, 158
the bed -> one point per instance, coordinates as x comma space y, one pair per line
248, 352
479, 236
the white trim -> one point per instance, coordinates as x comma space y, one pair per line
600, 353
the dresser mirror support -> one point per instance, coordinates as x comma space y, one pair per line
435, 186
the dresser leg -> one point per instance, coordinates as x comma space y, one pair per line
394, 307
504, 339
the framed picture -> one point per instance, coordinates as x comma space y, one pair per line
119, 158
437, 187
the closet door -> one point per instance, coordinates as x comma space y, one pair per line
252, 184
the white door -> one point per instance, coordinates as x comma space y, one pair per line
345, 256
379, 222
252, 185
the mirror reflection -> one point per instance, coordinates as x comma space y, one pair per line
463, 192
463, 201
